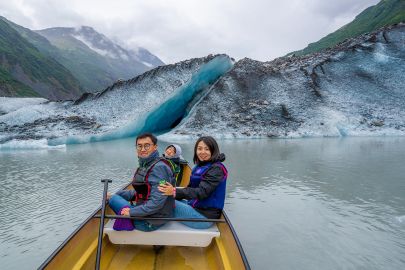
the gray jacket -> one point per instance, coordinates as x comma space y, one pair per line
156, 202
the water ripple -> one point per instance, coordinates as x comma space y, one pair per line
400, 219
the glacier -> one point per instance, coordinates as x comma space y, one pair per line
356, 88
153, 101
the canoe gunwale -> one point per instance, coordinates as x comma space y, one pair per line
70, 237
61, 246
238, 244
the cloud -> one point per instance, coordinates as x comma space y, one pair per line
176, 30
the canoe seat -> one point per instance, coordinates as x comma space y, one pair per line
171, 234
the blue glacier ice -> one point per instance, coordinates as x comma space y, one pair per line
162, 117
154, 102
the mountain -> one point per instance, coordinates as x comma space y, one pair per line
384, 13
93, 59
25, 71
88, 57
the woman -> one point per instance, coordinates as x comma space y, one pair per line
205, 195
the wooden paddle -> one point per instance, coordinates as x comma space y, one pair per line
101, 229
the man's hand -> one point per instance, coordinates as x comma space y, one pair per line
108, 195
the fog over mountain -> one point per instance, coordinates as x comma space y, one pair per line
95, 59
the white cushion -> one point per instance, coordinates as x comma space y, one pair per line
172, 233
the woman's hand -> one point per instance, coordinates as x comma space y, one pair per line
166, 189
125, 211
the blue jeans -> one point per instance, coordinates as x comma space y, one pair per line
183, 210
116, 203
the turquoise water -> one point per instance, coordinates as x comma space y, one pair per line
296, 204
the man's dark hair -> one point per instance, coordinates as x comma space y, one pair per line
212, 145
147, 135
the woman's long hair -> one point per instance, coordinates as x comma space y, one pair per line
212, 145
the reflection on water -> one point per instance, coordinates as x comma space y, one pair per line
296, 204
319, 203
45, 195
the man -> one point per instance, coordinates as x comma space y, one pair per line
149, 202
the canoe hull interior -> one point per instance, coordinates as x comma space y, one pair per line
79, 250
80, 253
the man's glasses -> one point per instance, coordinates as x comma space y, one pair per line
145, 146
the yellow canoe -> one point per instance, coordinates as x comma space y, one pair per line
79, 250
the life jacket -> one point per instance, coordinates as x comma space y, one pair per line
217, 197
140, 180
143, 189
176, 169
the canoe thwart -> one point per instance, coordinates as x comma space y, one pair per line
164, 219
170, 234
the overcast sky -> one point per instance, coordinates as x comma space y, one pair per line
176, 30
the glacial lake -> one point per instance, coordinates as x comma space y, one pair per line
319, 203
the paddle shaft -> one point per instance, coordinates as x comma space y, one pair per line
101, 229
163, 219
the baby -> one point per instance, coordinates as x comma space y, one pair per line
173, 151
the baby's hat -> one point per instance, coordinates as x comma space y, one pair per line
178, 151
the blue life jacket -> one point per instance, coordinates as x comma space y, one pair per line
217, 197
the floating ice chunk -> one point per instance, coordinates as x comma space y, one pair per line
29, 144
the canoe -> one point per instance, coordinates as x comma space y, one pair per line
79, 250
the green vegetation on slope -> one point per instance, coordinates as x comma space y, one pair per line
384, 13
19, 58
13, 88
